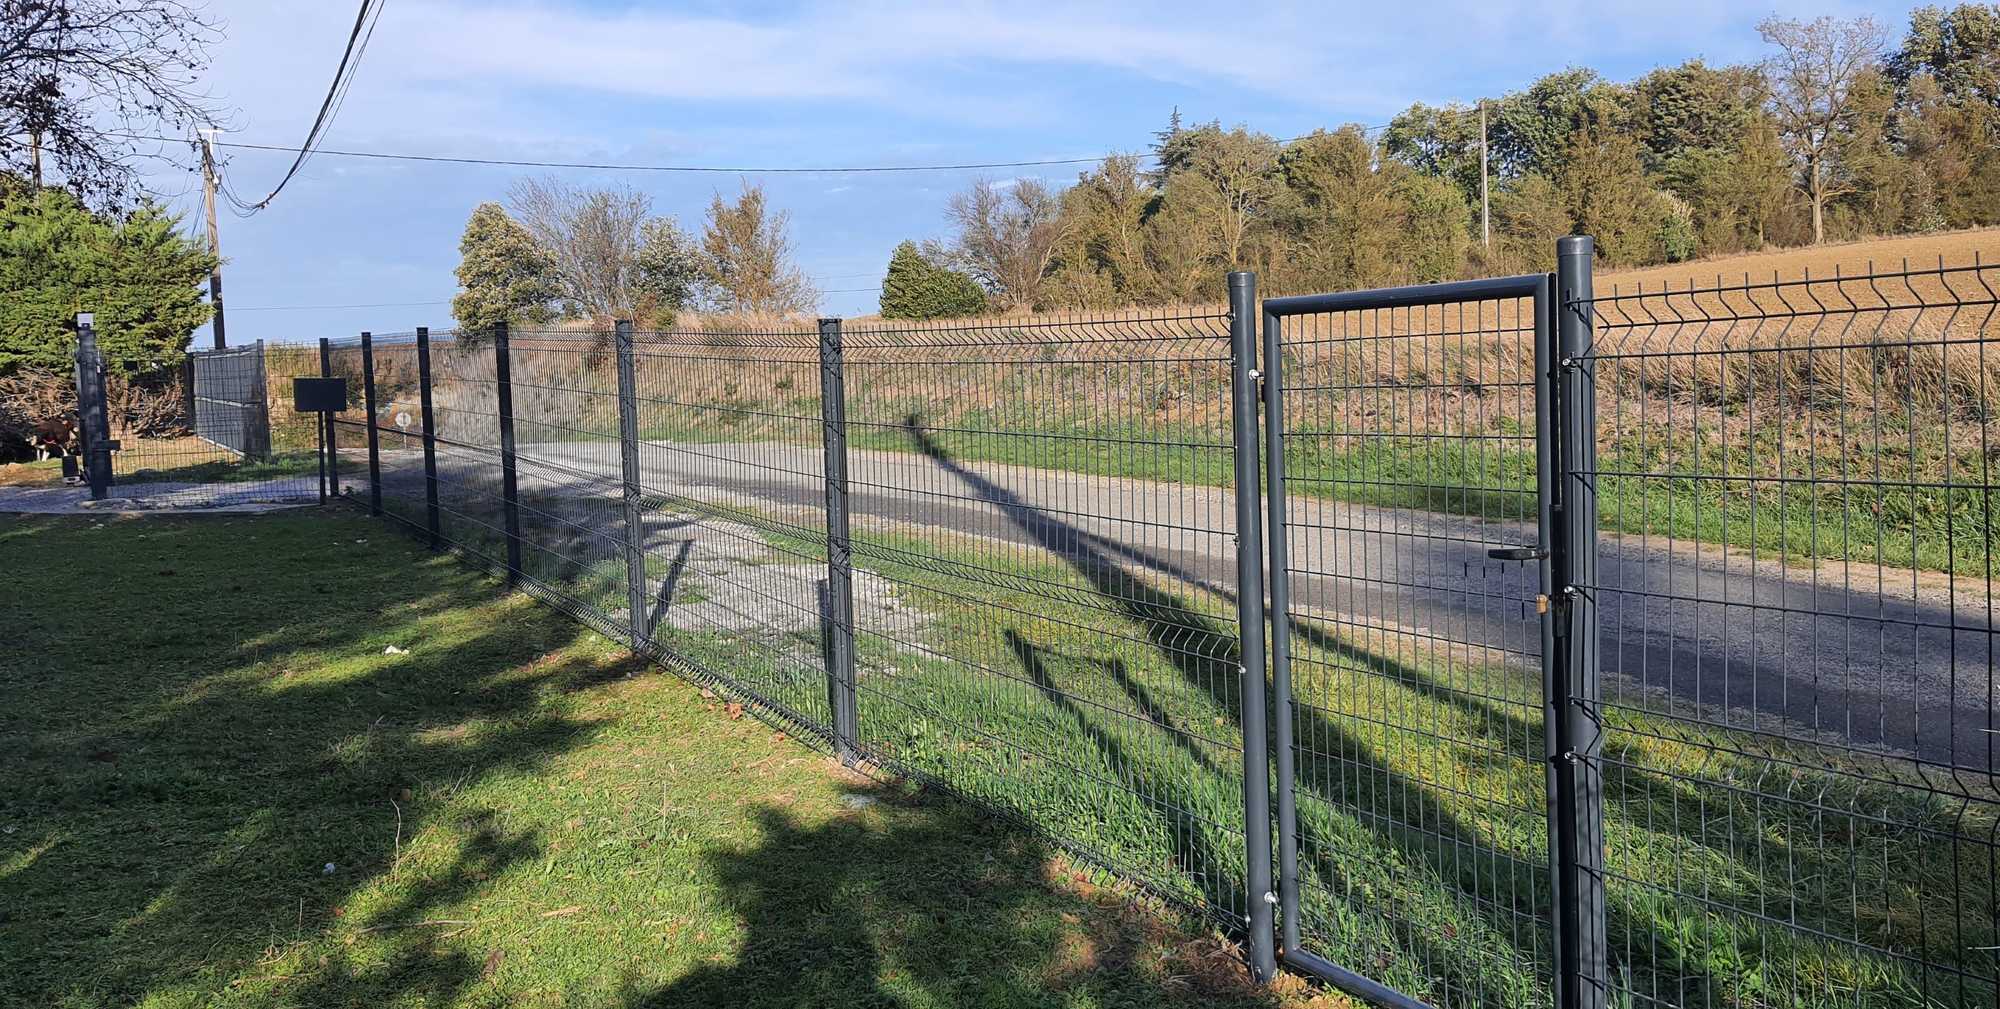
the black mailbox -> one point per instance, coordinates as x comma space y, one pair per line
319, 395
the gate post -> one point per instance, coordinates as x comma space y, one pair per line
1250, 626
431, 517
257, 440
1279, 569
839, 597
1583, 979
374, 439
93, 414
510, 492
326, 423
628, 458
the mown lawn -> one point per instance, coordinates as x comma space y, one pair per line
224, 791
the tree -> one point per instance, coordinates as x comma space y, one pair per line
1007, 238
1813, 79
592, 240
1100, 261
1441, 141
504, 275
1530, 130
1959, 49
748, 258
668, 271
74, 74
137, 272
1335, 216
917, 286
1225, 179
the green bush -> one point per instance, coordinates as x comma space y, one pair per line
137, 273
917, 287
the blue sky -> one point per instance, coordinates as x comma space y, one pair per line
817, 84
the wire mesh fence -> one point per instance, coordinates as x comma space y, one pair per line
1746, 762
1796, 603
213, 428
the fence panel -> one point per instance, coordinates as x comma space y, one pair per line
732, 477
1045, 579
1796, 607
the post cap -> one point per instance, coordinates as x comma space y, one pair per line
86, 320
1575, 245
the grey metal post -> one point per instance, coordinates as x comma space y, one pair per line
257, 440
93, 414
1250, 627
1279, 570
839, 543
332, 447
431, 511
374, 438
1583, 980
510, 492
636, 588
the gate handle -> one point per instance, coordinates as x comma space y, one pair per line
1517, 553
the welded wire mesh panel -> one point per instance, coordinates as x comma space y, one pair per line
399, 429
201, 431
733, 511
1045, 581
1421, 791
349, 459
1795, 587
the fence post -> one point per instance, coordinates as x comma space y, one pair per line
431, 516
374, 438
510, 492
93, 414
1583, 978
326, 423
839, 543
1250, 625
1279, 545
257, 439
628, 458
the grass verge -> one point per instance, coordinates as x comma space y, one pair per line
228, 792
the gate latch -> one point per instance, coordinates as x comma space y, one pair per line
1517, 553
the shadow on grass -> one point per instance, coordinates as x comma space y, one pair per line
932, 903
190, 763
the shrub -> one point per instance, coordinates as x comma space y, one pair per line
918, 287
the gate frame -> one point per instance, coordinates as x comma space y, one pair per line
1564, 441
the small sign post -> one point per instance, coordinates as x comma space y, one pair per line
321, 397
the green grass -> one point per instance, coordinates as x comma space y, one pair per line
141, 469
201, 717
1104, 708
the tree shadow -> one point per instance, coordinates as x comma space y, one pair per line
175, 775
1505, 890
918, 902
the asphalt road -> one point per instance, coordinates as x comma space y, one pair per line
1852, 655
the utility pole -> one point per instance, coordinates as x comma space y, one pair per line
214, 240
1487, 219
35, 157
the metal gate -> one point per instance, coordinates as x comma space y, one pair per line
1437, 818
230, 404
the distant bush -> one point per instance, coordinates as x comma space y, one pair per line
918, 287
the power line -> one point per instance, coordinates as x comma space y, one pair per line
694, 169
358, 38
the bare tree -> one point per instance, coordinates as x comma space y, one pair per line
1008, 237
592, 237
1814, 76
748, 253
75, 73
